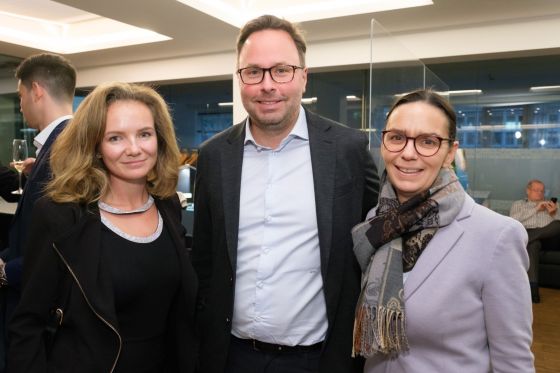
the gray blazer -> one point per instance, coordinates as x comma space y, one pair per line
346, 186
467, 300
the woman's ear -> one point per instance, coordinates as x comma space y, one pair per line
451, 154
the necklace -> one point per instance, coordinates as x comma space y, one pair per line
114, 210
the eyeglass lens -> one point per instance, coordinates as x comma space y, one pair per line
278, 73
425, 145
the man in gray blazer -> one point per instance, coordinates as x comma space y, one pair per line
275, 199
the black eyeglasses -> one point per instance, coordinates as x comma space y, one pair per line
425, 145
279, 73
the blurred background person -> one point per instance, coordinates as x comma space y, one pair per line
107, 247
444, 285
46, 84
542, 221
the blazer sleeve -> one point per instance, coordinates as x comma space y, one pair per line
202, 228
42, 275
507, 303
371, 178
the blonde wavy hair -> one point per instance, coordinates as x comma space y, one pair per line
80, 176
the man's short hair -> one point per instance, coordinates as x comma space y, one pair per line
268, 22
534, 181
53, 72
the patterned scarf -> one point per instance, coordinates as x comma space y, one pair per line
389, 242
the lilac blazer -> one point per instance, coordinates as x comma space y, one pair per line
467, 300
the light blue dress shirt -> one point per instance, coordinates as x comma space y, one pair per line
279, 289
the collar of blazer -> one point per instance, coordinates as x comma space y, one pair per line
80, 250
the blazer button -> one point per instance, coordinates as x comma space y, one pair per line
227, 320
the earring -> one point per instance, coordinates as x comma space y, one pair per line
98, 155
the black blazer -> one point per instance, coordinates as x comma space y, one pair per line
36, 181
346, 187
64, 246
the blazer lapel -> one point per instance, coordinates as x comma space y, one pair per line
323, 161
230, 165
44, 155
443, 242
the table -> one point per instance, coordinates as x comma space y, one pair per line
7, 207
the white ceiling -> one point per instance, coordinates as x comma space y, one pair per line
195, 33
238, 12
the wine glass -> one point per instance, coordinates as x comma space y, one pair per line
19, 155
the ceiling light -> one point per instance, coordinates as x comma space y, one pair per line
352, 98
462, 92
237, 12
545, 88
309, 100
80, 32
225, 103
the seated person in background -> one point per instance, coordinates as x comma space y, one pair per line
542, 221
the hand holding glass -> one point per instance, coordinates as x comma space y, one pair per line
19, 155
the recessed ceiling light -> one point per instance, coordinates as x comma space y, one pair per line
545, 88
237, 12
309, 100
353, 98
67, 30
463, 92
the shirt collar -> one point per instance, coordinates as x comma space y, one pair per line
42, 137
299, 130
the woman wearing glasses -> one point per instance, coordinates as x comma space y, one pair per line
444, 280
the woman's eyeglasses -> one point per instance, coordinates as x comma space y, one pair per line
425, 145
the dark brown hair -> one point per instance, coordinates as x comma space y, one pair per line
268, 22
431, 98
55, 73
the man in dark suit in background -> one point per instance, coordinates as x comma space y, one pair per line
275, 199
46, 85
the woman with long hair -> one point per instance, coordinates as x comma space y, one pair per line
108, 284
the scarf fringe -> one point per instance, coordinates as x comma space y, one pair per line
379, 329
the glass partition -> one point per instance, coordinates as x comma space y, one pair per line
394, 71
508, 116
510, 138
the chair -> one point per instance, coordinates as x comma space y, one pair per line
549, 264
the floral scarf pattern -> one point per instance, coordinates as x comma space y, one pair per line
389, 244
